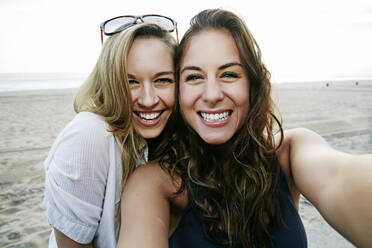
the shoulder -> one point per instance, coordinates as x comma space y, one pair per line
87, 122
303, 136
294, 138
84, 147
297, 143
156, 181
153, 175
306, 158
146, 207
283, 150
303, 147
85, 130
284, 158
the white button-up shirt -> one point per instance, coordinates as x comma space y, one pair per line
83, 175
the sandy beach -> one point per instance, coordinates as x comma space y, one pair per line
30, 121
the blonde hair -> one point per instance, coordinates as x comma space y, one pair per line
106, 91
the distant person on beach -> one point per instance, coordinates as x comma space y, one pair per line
125, 114
237, 181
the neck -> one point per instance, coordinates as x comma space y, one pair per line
151, 146
223, 151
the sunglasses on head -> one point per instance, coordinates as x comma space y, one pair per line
117, 24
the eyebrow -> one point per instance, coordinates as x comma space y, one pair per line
229, 65
130, 76
162, 73
222, 67
191, 68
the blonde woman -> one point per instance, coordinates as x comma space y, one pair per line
125, 114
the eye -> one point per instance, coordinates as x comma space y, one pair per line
164, 80
133, 82
193, 77
230, 75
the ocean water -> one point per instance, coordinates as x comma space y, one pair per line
12, 82
40, 81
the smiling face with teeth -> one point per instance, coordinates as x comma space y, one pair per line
214, 88
151, 79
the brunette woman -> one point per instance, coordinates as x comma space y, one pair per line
236, 181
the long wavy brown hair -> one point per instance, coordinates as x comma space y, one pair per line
106, 92
235, 194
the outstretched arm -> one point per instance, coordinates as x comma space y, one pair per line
145, 208
338, 184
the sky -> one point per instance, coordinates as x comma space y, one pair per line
300, 40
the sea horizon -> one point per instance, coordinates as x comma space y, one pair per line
10, 82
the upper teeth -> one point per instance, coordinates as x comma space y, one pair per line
215, 117
149, 116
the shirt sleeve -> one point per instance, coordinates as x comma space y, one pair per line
76, 176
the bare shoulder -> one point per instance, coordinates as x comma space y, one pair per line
337, 183
309, 162
284, 157
304, 136
296, 138
283, 149
157, 180
150, 172
296, 133
146, 207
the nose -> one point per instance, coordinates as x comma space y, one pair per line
212, 93
148, 97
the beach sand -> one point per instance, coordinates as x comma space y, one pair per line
30, 121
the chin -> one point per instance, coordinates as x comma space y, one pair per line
148, 134
215, 140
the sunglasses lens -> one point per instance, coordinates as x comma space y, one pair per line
117, 25
163, 22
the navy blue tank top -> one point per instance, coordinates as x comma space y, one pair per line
290, 233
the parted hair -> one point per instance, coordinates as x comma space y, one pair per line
106, 92
238, 193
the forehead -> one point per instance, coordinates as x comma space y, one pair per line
148, 45
149, 54
215, 46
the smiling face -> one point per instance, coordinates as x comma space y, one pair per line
214, 89
151, 79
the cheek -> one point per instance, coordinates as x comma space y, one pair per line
243, 106
240, 96
184, 99
168, 96
242, 100
133, 95
188, 98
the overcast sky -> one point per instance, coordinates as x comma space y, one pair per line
300, 40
